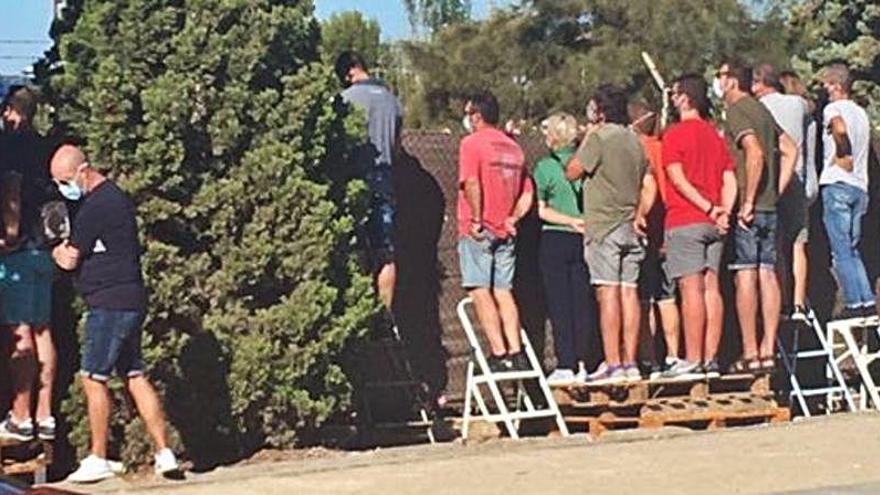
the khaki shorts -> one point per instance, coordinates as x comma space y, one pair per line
615, 259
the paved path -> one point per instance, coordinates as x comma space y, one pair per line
839, 454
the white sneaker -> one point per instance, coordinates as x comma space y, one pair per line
166, 462
91, 470
581, 376
116, 466
561, 376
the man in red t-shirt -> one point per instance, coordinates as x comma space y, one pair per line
700, 194
495, 192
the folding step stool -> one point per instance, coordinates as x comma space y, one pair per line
394, 349
836, 385
485, 376
858, 352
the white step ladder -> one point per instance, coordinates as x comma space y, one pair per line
841, 336
479, 374
835, 385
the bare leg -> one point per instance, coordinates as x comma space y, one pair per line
800, 267
647, 332
693, 308
487, 313
23, 366
747, 310
671, 321
714, 314
47, 358
608, 297
509, 319
98, 401
386, 280
149, 407
771, 303
629, 299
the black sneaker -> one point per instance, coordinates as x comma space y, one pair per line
22, 432
868, 311
849, 314
712, 369
519, 362
498, 364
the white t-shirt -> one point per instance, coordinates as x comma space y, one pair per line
790, 112
859, 131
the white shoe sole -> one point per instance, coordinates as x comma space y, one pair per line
91, 479
15, 436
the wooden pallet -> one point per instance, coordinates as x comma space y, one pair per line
639, 393
699, 404
25, 458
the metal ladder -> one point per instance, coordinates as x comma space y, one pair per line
858, 352
836, 383
478, 373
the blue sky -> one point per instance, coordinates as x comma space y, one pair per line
29, 20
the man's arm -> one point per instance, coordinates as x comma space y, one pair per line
789, 152
473, 194
843, 145
728, 199
10, 208
647, 198
754, 169
521, 207
66, 256
676, 176
574, 170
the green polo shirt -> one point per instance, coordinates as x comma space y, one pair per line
554, 189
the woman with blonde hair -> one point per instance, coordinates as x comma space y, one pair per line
567, 290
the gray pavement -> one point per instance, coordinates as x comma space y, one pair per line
838, 454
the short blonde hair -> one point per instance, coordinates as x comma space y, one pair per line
561, 128
837, 74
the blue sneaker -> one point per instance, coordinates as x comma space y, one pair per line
607, 375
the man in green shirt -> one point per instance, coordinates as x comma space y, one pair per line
765, 158
614, 162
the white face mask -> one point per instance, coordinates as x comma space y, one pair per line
592, 112
466, 123
717, 89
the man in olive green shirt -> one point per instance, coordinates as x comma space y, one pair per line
614, 162
765, 158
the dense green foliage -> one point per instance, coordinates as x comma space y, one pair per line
436, 14
349, 30
847, 31
217, 117
543, 55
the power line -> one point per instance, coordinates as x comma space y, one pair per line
25, 42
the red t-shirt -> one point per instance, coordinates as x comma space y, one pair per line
498, 163
704, 157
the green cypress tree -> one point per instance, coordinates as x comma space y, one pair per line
847, 31
217, 117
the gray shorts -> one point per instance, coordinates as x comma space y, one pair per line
693, 249
794, 213
615, 259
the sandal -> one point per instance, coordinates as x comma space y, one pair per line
745, 365
767, 364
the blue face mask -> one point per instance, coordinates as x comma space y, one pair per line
70, 191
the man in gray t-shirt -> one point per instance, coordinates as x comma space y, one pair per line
792, 115
373, 160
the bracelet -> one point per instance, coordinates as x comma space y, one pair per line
709, 210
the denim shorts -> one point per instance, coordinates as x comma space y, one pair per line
488, 263
26, 287
112, 343
755, 247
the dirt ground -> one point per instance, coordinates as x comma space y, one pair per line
838, 454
